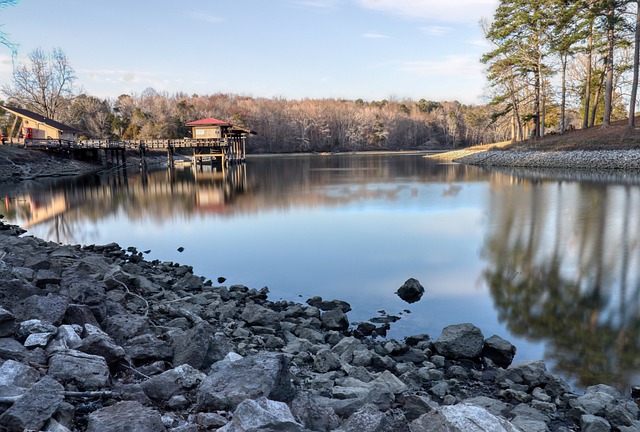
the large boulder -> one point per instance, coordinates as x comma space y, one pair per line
411, 291
172, 382
334, 319
262, 415
85, 371
231, 382
125, 416
499, 351
16, 374
461, 418
34, 408
460, 341
199, 346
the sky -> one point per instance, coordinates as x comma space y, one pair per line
292, 49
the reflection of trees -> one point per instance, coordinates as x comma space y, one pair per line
559, 270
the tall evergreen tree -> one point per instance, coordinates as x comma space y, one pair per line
520, 34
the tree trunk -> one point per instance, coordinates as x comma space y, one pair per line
563, 102
587, 92
636, 61
608, 90
536, 107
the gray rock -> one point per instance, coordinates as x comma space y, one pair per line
499, 351
592, 423
50, 308
67, 337
529, 425
200, 346
411, 291
211, 421
12, 349
334, 319
101, 344
255, 314
529, 373
229, 383
148, 347
8, 324
327, 305
34, 408
592, 402
13, 373
46, 276
80, 314
325, 360
461, 418
16, 378
85, 371
415, 406
366, 419
623, 413
262, 415
172, 382
32, 326
313, 416
123, 327
494, 406
460, 341
125, 416
38, 340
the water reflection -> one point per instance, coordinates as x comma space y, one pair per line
550, 263
562, 267
64, 209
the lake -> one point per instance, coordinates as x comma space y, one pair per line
547, 260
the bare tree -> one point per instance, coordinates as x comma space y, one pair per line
43, 84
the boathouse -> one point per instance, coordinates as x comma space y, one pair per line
32, 126
219, 138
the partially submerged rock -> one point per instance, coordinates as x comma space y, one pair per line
411, 291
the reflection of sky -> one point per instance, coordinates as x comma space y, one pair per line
360, 245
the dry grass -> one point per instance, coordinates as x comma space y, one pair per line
616, 137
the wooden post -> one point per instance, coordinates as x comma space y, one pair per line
170, 153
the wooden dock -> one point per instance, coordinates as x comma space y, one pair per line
222, 152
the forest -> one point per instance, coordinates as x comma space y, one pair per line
552, 57
551, 65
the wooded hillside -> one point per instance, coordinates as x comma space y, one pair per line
291, 125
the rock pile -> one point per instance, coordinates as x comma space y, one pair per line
96, 338
571, 159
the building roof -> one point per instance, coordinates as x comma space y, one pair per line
209, 121
40, 119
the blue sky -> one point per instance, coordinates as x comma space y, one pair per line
294, 49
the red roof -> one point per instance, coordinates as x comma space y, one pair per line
209, 121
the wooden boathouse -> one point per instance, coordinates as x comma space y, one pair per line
32, 126
218, 139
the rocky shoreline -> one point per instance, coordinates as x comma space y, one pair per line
96, 338
572, 159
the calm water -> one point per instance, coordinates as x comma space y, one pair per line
550, 265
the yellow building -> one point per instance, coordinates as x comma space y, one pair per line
31, 126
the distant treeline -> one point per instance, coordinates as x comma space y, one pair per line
309, 125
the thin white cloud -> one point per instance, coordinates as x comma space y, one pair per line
319, 4
375, 36
436, 30
208, 18
435, 10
